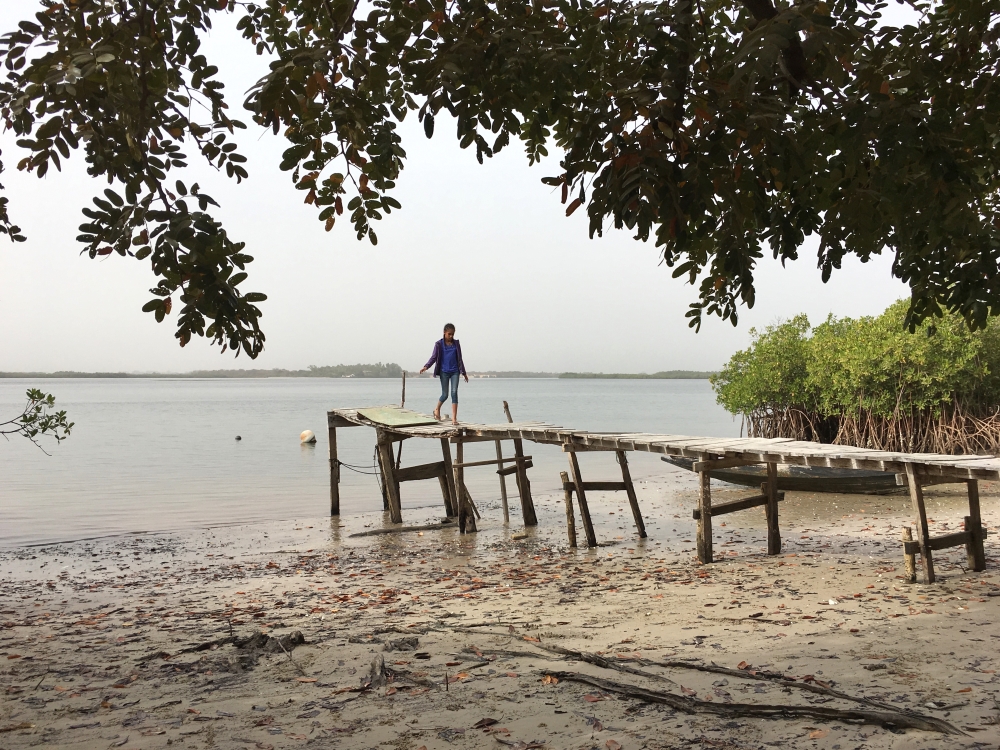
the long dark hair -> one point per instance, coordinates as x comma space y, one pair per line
449, 327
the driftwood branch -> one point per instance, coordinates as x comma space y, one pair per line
781, 679
405, 529
600, 661
764, 711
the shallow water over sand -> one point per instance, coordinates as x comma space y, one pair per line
158, 455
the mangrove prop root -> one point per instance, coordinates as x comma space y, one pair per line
764, 711
953, 429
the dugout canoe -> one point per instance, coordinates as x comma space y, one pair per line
803, 478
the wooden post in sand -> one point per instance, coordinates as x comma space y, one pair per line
923, 532
704, 516
975, 549
523, 485
570, 519
503, 483
389, 476
581, 498
334, 474
382, 471
466, 511
633, 501
448, 486
771, 510
909, 558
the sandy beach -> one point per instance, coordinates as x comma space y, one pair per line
293, 634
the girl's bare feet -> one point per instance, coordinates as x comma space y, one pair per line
455, 422
437, 414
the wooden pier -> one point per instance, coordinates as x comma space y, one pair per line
915, 470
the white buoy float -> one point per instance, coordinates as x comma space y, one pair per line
307, 437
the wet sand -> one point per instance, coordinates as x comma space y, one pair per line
442, 641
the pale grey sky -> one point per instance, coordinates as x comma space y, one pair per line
485, 247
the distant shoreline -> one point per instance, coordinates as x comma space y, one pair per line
358, 371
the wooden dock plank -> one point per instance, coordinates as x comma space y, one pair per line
766, 450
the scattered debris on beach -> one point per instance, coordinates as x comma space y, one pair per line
223, 639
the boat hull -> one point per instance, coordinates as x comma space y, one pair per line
803, 478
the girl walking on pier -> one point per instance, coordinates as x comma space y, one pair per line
448, 365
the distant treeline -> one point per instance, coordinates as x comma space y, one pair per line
377, 370
665, 375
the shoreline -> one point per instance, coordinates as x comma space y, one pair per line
129, 639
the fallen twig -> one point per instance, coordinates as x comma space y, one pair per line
693, 706
289, 655
198, 647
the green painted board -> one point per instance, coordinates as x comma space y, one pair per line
393, 416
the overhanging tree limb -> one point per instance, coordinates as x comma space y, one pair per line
885, 139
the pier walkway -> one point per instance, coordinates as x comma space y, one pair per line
914, 470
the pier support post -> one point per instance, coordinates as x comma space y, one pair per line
466, 516
334, 474
523, 485
389, 483
570, 518
630, 491
704, 517
975, 548
381, 468
581, 498
909, 559
503, 483
448, 483
923, 533
771, 510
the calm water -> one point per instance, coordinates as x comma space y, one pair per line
157, 455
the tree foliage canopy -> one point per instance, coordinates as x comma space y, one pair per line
713, 127
869, 381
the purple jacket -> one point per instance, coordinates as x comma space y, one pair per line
438, 354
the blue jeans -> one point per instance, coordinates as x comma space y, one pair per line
446, 378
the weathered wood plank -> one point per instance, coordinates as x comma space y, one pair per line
423, 471
493, 461
513, 469
945, 541
721, 463
336, 420
596, 486
744, 503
